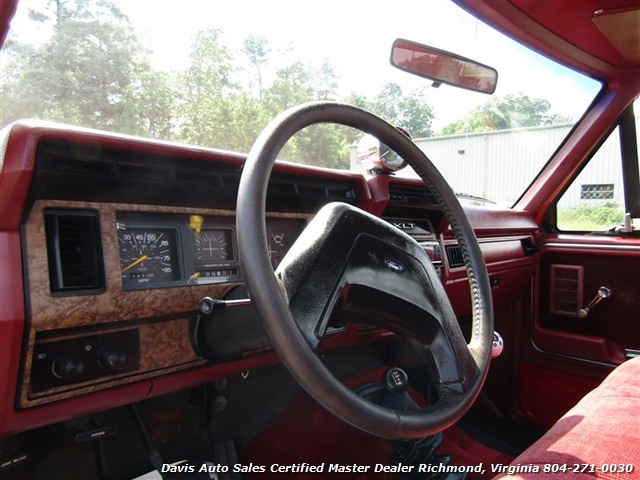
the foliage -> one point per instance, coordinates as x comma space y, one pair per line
323, 145
205, 88
94, 72
256, 49
587, 217
89, 73
396, 107
325, 81
502, 113
291, 87
153, 111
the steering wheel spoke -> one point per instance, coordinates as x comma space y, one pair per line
310, 272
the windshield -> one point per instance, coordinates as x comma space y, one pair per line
214, 73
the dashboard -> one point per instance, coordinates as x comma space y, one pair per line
109, 244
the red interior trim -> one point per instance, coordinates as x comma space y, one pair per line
7, 11
545, 395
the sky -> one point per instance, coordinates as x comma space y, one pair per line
356, 36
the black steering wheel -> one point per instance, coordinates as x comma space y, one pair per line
346, 249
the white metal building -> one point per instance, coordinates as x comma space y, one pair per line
499, 165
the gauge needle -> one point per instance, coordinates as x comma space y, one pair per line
134, 263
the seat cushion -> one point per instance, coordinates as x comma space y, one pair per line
598, 438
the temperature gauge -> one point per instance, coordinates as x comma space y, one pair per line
278, 243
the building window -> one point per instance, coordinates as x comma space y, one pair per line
601, 191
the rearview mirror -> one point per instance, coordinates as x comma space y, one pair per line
443, 67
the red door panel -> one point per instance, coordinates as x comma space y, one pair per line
569, 277
566, 355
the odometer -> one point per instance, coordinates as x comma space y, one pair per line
148, 257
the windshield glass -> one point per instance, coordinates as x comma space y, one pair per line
214, 73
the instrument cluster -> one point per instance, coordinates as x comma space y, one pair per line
168, 250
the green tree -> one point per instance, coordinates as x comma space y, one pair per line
325, 83
152, 109
86, 74
291, 87
94, 72
415, 115
256, 49
353, 136
358, 100
206, 85
501, 113
246, 119
325, 145
409, 111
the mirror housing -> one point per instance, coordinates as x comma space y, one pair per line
443, 67
377, 157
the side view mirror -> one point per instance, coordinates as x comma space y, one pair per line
443, 67
377, 157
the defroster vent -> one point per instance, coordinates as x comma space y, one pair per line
74, 251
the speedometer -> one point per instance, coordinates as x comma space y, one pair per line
148, 257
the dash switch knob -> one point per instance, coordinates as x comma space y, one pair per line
497, 345
68, 367
113, 358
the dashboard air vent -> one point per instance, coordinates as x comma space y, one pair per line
146, 173
566, 290
322, 190
74, 251
63, 170
72, 166
454, 256
197, 177
400, 195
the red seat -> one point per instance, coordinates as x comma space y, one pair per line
598, 438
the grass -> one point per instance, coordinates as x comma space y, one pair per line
588, 218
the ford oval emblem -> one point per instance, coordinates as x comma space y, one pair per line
394, 265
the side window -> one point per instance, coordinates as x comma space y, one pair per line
595, 201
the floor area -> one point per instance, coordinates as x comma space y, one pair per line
306, 433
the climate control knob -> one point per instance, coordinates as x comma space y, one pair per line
113, 358
68, 367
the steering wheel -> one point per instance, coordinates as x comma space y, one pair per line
346, 249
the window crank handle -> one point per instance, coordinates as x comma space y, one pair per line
603, 294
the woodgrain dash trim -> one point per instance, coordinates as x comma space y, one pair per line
164, 345
164, 349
